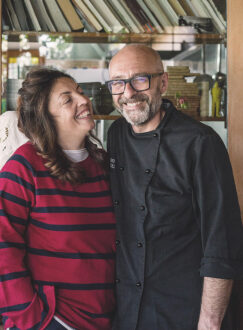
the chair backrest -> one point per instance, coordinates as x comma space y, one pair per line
10, 136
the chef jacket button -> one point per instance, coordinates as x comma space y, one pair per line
139, 244
117, 280
138, 284
116, 202
142, 207
121, 168
147, 171
155, 134
118, 242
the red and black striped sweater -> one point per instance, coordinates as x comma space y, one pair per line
57, 246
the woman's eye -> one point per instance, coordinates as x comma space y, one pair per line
67, 100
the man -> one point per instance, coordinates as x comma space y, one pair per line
179, 232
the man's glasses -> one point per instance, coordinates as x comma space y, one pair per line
138, 83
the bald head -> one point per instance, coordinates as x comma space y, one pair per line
138, 71
137, 54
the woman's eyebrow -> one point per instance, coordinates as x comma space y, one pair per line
79, 88
64, 93
69, 92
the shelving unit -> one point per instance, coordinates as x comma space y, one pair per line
109, 38
176, 35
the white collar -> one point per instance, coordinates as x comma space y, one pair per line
77, 155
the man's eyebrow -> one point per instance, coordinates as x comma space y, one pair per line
135, 75
140, 74
117, 77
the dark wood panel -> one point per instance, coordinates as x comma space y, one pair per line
235, 95
235, 117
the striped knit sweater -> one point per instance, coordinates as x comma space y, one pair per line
57, 246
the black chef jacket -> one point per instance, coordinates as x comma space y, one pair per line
178, 220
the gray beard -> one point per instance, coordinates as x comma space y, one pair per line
142, 116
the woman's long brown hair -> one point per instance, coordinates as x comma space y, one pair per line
35, 121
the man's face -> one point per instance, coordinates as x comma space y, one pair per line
137, 107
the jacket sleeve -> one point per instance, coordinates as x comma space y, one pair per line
218, 209
20, 304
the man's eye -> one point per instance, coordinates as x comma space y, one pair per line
117, 83
140, 79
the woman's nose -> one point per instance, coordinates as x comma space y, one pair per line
83, 99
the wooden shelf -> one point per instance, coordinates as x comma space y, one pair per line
114, 117
212, 119
106, 117
101, 37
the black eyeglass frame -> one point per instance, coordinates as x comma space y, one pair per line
149, 76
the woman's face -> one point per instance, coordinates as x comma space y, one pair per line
72, 113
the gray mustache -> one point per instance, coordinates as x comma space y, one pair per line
133, 99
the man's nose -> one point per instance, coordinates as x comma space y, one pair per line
129, 91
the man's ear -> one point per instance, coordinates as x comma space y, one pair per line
164, 83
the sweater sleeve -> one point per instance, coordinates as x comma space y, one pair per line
218, 210
20, 304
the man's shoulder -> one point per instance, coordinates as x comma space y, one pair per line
117, 126
183, 122
118, 123
178, 121
189, 131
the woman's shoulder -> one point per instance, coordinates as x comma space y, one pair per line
27, 150
26, 155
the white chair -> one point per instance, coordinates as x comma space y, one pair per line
10, 136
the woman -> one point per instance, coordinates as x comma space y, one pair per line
57, 233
